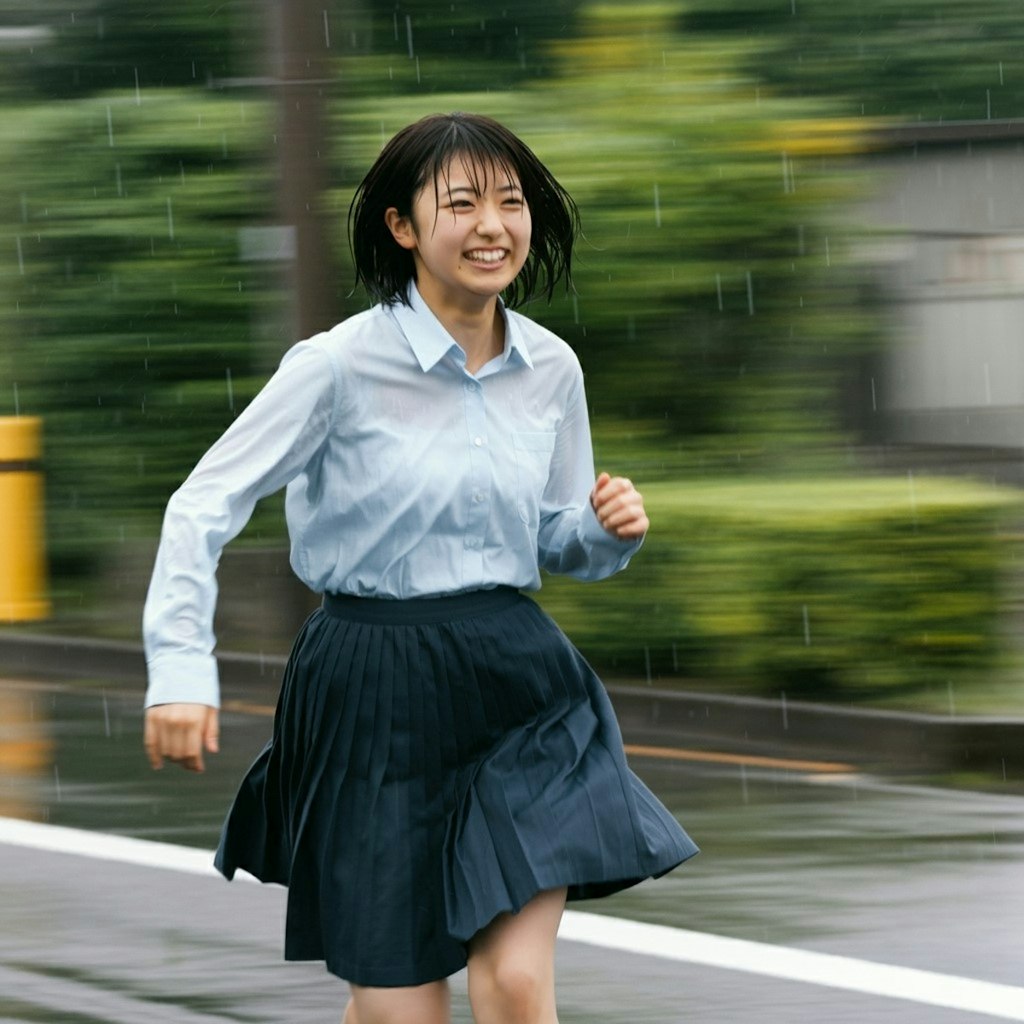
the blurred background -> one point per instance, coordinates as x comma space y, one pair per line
799, 302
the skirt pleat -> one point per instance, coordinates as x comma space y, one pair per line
435, 763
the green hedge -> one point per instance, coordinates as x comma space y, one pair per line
837, 587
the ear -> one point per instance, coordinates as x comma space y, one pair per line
401, 228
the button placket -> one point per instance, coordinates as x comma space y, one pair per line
478, 485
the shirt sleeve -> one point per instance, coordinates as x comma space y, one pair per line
571, 540
269, 444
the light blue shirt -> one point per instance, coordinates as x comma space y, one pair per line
406, 476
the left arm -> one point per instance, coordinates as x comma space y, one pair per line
588, 530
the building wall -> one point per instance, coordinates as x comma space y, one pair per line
953, 264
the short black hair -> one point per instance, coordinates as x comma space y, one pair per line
416, 156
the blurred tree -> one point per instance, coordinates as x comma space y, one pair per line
908, 59
123, 44
127, 307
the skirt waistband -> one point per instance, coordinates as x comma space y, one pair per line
420, 610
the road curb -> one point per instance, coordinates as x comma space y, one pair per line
868, 739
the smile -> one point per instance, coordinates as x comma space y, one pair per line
486, 255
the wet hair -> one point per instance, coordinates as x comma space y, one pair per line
422, 152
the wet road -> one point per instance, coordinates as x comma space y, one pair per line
792, 860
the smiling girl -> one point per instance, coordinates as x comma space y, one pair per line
445, 769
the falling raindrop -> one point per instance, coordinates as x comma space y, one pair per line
718, 286
750, 293
647, 663
110, 127
106, 715
138, 93
828, 254
17, 403
807, 628
874, 400
657, 207
952, 699
418, 80
408, 35
231, 393
743, 783
21, 256
327, 30
988, 104
56, 782
170, 219
1000, 72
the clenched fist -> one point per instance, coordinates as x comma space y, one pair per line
619, 507
180, 733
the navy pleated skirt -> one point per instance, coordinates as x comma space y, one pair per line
435, 762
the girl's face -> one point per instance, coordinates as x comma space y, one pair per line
469, 234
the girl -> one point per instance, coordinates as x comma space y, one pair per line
445, 768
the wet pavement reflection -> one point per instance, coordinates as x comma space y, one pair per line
900, 874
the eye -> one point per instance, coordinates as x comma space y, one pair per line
460, 204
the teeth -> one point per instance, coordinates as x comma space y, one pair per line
486, 255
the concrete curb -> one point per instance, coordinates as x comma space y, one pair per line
866, 739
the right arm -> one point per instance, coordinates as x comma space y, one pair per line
267, 446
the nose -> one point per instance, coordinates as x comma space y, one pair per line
490, 222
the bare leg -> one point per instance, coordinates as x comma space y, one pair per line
512, 964
419, 1004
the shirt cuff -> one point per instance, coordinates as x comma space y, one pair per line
592, 532
181, 678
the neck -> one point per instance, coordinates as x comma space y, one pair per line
479, 328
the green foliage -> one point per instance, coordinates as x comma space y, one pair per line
941, 60
718, 304
128, 314
848, 588
104, 45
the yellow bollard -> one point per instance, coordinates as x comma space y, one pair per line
22, 559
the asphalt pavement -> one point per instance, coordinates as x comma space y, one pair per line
824, 892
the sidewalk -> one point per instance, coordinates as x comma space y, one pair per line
869, 739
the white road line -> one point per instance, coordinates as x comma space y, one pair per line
930, 988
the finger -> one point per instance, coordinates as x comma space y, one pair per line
632, 529
211, 734
191, 747
150, 740
613, 487
617, 503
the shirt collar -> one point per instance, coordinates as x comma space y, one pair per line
430, 342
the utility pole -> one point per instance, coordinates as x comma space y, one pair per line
300, 50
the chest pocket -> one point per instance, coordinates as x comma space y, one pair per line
533, 461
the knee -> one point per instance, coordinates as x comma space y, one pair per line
517, 991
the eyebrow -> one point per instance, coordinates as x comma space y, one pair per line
473, 191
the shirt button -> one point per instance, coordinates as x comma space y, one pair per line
478, 496
478, 441
470, 385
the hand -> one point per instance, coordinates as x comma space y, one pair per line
619, 507
180, 733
